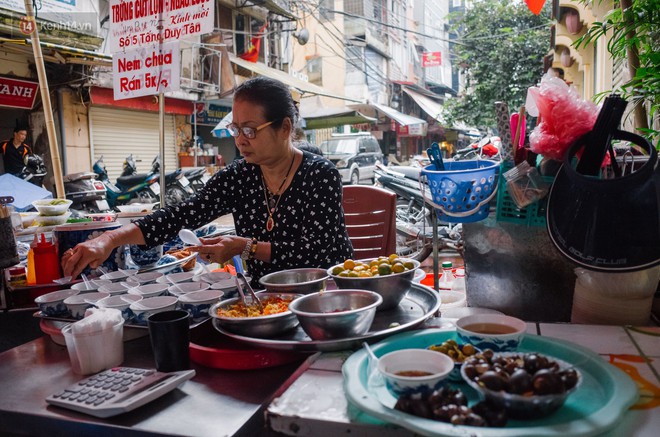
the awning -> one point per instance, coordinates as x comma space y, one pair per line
399, 117
317, 116
428, 105
105, 97
272, 6
301, 85
220, 130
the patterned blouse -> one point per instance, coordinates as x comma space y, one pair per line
309, 220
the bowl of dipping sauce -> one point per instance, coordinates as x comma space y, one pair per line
409, 371
498, 332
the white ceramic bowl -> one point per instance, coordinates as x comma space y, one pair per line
142, 309
144, 278
78, 304
114, 288
187, 287
94, 285
52, 304
435, 366
46, 207
176, 278
498, 332
197, 303
136, 207
120, 302
225, 285
212, 277
118, 275
149, 290
27, 218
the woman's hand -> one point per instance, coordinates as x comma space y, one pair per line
90, 253
220, 249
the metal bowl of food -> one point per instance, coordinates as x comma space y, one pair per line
305, 281
248, 321
390, 283
336, 314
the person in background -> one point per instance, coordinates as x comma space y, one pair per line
286, 203
15, 151
301, 142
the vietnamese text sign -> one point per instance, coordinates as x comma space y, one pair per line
135, 23
146, 70
17, 93
431, 59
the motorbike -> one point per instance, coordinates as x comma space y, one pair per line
86, 192
34, 170
197, 177
178, 187
486, 148
414, 225
129, 188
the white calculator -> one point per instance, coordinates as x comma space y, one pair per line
118, 390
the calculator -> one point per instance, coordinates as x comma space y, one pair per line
118, 390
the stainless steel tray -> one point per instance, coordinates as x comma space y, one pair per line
420, 304
41, 315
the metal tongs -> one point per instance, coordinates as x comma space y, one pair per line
252, 298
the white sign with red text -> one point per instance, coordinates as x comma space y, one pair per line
146, 71
135, 23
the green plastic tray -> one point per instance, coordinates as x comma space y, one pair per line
597, 405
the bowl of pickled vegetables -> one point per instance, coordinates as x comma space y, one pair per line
391, 277
251, 321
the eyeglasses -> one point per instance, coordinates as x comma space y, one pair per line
248, 132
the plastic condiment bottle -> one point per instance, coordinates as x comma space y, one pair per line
447, 278
47, 264
31, 275
459, 281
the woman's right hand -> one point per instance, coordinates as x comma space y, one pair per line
90, 253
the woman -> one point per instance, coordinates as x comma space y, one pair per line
286, 203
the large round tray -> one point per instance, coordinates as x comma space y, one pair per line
420, 304
598, 403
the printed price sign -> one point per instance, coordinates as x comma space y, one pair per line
146, 71
136, 23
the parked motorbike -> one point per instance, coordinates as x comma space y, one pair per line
197, 177
177, 186
414, 226
86, 193
129, 188
486, 148
34, 170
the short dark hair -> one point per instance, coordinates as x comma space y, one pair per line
20, 128
272, 95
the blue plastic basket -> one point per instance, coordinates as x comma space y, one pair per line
461, 193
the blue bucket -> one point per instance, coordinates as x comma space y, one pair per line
462, 192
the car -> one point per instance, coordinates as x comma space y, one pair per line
354, 155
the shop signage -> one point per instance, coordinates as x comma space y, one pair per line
412, 130
146, 70
135, 23
210, 114
17, 93
431, 59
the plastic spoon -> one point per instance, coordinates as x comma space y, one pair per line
189, 237
88, 283
372, 368
62, 281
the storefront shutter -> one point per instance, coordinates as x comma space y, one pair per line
117, 133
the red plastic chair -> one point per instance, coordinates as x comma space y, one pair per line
370, 215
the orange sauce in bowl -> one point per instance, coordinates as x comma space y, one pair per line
413, 373
490, 328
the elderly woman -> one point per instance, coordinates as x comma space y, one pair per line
286, 203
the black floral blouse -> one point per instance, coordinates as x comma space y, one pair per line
309, 221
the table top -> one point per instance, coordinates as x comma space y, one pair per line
214, 403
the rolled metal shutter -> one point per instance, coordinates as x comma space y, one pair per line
117, 133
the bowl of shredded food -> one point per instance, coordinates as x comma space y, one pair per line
250, 321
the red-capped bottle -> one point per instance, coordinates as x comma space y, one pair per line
46, 261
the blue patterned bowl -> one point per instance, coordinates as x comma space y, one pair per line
71, 234
491, 331
52, 304
409, 371
197, 303
120, 302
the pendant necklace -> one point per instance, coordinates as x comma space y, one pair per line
271, 203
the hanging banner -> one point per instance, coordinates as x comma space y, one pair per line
136, 23
431, 59
16, 93
146, 71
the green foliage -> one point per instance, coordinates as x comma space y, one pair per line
501, 56
642, 18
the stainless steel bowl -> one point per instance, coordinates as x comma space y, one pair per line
336, 314
260, 326
303, 281
393, 288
